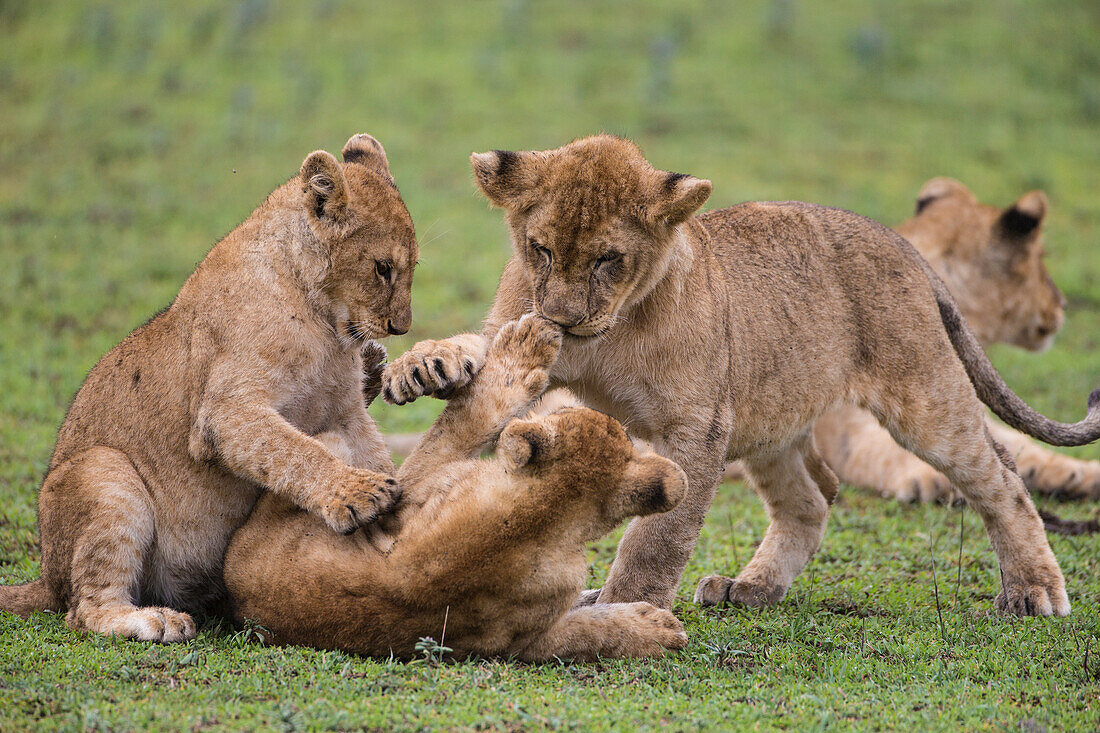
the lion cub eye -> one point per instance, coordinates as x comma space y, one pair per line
384, 270
546, 255
606, 258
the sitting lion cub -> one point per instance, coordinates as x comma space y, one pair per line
251, 379
490, 555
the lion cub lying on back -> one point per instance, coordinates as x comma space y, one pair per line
490, 556
252, 379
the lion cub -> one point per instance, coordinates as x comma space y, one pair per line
251, 379
491, 553
726, 336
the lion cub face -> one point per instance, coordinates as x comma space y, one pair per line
992, 261
592, 223
585, 458
366, 239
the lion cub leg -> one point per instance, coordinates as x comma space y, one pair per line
864, 454
797, 488
96, 507
1045, 471
609, 630
950, 433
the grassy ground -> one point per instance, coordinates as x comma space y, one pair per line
134, 135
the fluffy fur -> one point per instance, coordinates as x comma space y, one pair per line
489, 555
251, 379
727, 335
991, 259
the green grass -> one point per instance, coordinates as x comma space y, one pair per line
134, 135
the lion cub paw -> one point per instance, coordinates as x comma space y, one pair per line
1038, 596
150, 623
922, 484
436, 368
359, 499
718, 590
524, 350
1063, 478
659, 626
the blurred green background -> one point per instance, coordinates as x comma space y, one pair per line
133, 135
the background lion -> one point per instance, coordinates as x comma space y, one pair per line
489, 555
726, 336
251, 379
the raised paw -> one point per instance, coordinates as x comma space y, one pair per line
436, 368
359, 500
532, 342
374, 363
718, 590
1021, 597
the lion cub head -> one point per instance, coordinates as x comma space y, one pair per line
364, 244
593, 224
991, 260
584, 459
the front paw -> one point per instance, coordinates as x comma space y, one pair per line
374, 363
531, 343
359, 499
429, 368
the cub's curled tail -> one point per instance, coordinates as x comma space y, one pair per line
993, 391
27, 597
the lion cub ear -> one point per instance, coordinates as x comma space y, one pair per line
524, 443
1024, 216
326, 189
678, 197
939, 188
651, 484
365, 150
507, 178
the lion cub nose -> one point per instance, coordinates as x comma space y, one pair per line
395, 330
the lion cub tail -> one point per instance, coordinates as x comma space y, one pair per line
27, 597
993, 391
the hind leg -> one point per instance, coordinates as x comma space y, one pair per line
97, 508
797, 488
945, 426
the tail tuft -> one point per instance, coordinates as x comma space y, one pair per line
1094, 400
23, 599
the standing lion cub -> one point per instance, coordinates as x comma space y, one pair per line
725, 336
489, 555
251, 379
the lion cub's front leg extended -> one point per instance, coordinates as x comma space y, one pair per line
241, 429
611, 630
437, 368
515, 374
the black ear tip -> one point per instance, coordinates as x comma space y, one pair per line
1015, 221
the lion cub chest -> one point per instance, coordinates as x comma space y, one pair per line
319, 388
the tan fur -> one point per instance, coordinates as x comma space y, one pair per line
489, 554
1006, 295
727, 335
251, 379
